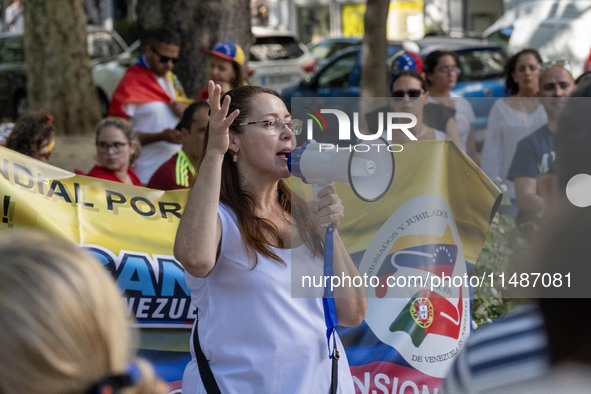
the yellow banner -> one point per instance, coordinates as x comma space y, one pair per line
129, 229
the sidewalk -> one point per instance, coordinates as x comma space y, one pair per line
74, 152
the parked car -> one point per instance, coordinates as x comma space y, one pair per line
278, 58
13, 75
481, 80
340, 77
327, 47
103, 46
558, 29
106, 75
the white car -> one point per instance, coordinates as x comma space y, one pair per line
278, 59
106, 76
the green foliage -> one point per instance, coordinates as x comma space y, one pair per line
128, 30
502, 244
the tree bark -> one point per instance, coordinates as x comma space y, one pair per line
201, 23
374, 48
58, 65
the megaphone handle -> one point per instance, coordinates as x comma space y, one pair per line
317, 187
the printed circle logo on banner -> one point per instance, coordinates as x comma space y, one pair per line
429, 318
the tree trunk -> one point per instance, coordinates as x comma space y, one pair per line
58, 65
373, 52
201, 23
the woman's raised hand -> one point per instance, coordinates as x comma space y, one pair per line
219, 120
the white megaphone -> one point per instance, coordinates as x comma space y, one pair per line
369, 172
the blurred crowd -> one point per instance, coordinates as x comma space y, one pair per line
156, 124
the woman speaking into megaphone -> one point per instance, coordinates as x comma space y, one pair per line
242, 235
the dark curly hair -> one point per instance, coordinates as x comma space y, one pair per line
511, 87
30, 132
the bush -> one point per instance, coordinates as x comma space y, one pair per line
502, 243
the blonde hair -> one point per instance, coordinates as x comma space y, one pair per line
126, 128
62, 320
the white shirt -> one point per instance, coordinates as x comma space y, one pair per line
15, 11
153, 117
464, 118
255, 335
506, 127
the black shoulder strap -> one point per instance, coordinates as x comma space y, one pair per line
334, 376
211, 386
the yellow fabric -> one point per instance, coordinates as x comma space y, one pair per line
183, 164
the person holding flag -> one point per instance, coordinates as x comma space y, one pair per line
152, 97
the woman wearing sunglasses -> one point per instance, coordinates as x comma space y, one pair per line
409, 94
242, 238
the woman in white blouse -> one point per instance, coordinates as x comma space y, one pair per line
511, 119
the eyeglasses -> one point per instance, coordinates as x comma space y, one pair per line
165, 59
277, 125
448, 70
104, 146
562, 63
412, 93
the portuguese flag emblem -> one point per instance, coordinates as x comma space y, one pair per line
426, 313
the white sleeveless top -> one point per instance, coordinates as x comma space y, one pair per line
506, 127
256, 337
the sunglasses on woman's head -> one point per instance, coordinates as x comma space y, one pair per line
412, 93
562, 63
